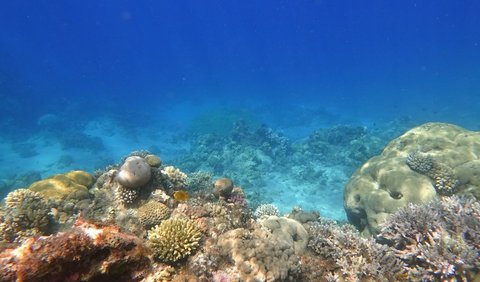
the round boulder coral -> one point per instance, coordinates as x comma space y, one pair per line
174, 239
134, 173
73, 184
430, 160
153, 213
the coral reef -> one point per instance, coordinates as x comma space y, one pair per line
87, 252
174, 239
425, 162
439, 241
25, 214
352, 258
213, 239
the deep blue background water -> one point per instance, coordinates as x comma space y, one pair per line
374, 58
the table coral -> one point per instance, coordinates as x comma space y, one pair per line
428, 161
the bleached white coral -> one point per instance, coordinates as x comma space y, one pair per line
266, 210
175, 176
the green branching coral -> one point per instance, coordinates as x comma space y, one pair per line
25, 214
174, 239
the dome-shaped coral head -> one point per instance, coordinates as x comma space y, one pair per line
134, 173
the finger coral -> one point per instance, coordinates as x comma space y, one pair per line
174, 239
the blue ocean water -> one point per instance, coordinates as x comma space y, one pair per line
84, 83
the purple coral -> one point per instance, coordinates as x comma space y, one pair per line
439, 241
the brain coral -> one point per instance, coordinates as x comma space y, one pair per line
426, 161
174, 239
152, 213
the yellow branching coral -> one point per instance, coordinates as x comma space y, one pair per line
174, 239
152, 213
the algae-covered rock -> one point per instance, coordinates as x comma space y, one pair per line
71, 185
431, 160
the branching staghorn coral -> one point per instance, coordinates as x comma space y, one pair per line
356, 258
439, 241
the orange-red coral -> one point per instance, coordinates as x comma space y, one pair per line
86, 252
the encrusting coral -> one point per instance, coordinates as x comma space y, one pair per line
25, 214
174, 239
